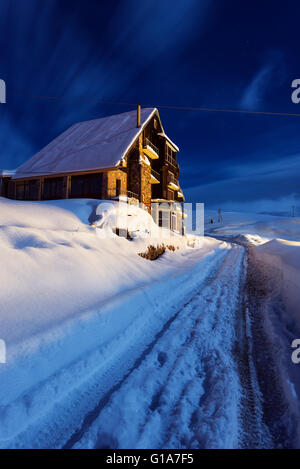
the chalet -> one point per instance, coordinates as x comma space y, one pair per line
126, 156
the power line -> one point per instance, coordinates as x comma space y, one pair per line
161, 106
242, 181
230, 181
172, 107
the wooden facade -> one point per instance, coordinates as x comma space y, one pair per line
148, 171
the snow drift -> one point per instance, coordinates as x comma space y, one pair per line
284, 256
72, 301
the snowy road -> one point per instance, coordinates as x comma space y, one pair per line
183, 371
183, 390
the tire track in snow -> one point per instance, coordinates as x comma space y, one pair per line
254, 432
209, 354
214, 264
207, 308
175, 369
97, 374
266, 421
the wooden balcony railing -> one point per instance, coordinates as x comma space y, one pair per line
151, 145
132, 195
155, 174
113, 193
172, 180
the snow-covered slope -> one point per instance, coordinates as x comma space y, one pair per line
54, 265
66, 291
277, 241
259, 228
284, 257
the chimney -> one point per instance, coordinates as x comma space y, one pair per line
138, 116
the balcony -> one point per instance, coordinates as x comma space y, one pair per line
173, 183
155, 177
114, 194
171, 160
150, 149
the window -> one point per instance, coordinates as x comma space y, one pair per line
27, 190
164, 219
53, 188
169, 151
87, 185
20, 189
32, 192
118, 187
171, 155
174, 221
4, 186
160, 218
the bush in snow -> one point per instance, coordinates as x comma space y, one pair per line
153, 252
171, 247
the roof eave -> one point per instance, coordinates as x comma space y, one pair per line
162, 134
67, 173
140, 130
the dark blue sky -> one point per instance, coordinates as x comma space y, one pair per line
218, 53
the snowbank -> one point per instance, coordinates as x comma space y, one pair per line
277, 242
71, 299
136, 223
258, 228
279, 260
55, 264
284, 256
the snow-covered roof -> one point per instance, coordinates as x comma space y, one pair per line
7, 172
162, 134
87, 146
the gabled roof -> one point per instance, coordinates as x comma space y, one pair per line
87, 146
162, 134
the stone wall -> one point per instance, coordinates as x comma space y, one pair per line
110, 178
146, 190
133, 171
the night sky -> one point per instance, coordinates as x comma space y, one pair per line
197, 53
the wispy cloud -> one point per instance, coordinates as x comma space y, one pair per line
254, 93
264, 79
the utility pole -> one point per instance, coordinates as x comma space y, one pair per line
220, 218
293, 210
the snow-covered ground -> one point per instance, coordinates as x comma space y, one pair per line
277, 242
106, 349
257, 227
54, 264
77, 303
